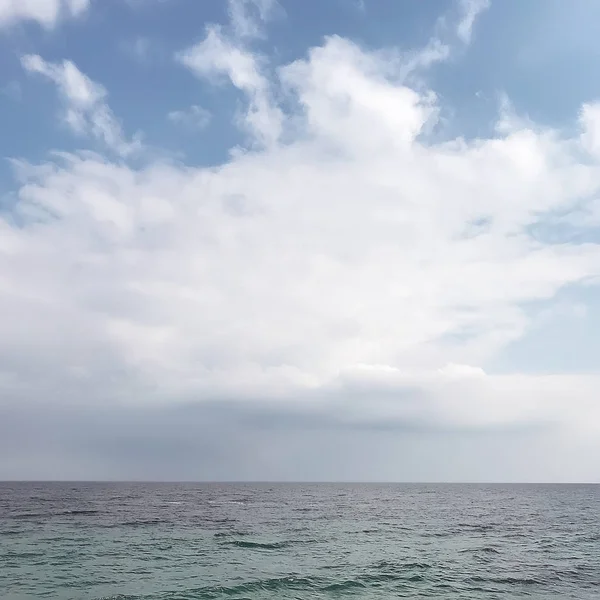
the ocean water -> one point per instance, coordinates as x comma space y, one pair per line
300, 541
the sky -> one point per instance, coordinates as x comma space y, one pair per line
340, 240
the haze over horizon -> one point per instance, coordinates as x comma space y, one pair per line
260, 240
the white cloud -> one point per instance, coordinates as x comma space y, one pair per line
195, 117
356, 272
46, 12
86, 110
220, 54
470, 10
217, 55
442, 45
589, 120
49, 13
356, 243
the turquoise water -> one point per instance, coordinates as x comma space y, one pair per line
213, 541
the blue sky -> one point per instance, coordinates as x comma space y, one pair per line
129, 46
338, 224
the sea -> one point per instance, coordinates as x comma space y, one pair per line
189, 541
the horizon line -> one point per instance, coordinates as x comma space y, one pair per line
290, 482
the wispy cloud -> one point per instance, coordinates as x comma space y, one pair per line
139, 48
443, 43
470, 10
195, 117
86, 110
248, 17
361, 6
218, 55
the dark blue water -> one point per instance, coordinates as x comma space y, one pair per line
255, 541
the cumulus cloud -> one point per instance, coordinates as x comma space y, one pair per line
46, 12
358, 242
86, 110
344, 276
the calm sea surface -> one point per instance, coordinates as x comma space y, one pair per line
251, 541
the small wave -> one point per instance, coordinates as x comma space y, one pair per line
505, 580
140, 523
484, 549
287, 586
81, 512
384, 564
476, 526
26, 554
226, 534
299, 529
277, 585
373, 580
344, 586
11, 533
133, 523
31, 515
121, 597
258, 545
60, 513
